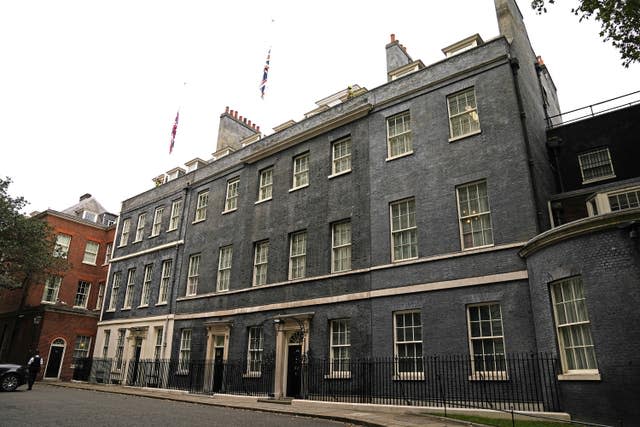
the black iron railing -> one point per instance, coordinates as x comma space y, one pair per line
526, 382
81, 368
202, 376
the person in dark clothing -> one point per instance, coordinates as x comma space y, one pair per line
34, 367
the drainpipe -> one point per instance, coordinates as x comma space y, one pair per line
515, 66
177, 270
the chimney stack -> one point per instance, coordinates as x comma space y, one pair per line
397, 55
233, 129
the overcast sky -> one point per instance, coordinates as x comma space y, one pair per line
89, 89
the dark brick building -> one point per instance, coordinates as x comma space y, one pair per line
59, 316
396, 222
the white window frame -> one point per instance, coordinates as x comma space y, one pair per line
128, 293
81, 347
300, 171
265, 192
167, 266
184, 355
225, 260
145, 295
260, 263
124, 233
51, 289
193, 274
629, 202
417, 373
585, 158
62, 246
231, 197
255, 351
468, 117
91, 257
340, 348
142, 220
487, 329
399, 137
90, 216
579, 325
100, 299
201, 206
105, 343
340, 249
156, 227
119, 356
174, 220
157, 348
479, 218
107, 253
341, 156
115, 290
82, 294
298, 255
404, 229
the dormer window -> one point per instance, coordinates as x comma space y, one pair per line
90, 216
463, 45
614, 201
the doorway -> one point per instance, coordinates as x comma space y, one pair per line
54, 361
136, 359
218, 363
294, 370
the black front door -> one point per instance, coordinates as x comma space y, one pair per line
53, 366
136, 360
218, 369
294, 370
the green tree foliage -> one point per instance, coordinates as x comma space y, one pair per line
619, 19
26, 244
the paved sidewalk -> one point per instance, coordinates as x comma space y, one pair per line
365, 415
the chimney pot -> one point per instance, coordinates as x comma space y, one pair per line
244, 121
250, 123
258, 128
393, 38
235, 114
240, 118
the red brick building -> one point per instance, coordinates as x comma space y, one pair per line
59, 316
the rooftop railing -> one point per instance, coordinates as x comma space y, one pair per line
593, 110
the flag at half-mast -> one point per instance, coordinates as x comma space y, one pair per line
263, 84
173, 132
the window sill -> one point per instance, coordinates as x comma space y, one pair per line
341, 271
477, 247
120, 246
335, 175
161, 303
466, 135
229, 211
173, 229
338, 376
409, 376
262, 201
89, 263
80, 307
143, 306
580, 377
125, 309
489, 376
153, 235
252, 375
191, 295
47, 302
399, 156
395, 261
137, 241
291, 190
600, 178
110, 310
199, 220
222, 291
